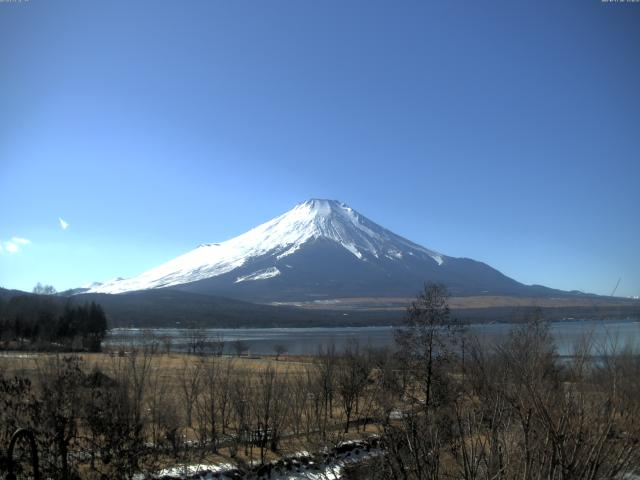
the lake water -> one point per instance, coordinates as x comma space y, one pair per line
302, 341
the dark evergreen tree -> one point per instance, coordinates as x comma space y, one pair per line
38, 321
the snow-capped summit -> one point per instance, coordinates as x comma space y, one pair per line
319, 248
279, 238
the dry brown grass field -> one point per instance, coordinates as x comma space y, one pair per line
27, 363
172, 382
399, 304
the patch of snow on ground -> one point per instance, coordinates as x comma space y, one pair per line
188, 471
300, 466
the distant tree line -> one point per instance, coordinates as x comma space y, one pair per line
46, 322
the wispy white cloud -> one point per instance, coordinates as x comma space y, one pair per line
11, 247
64, 225
14, 245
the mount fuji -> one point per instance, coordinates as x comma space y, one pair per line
320, 249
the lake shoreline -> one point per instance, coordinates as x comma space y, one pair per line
308, 340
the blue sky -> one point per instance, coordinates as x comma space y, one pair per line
503, 131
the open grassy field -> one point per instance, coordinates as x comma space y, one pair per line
27, 363
477, 301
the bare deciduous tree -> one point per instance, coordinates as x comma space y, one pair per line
352, 376
190, 382
271, 402
240, 347
279, 349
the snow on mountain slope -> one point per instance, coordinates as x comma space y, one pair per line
259, 275
281, 237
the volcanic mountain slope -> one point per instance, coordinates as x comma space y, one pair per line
320, 249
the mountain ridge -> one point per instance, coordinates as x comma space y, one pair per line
319, 249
